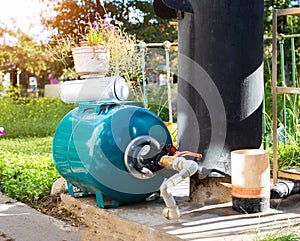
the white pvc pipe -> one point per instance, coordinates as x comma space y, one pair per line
186, 169
94, 90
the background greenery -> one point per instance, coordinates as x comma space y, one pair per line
31, 117
27, 170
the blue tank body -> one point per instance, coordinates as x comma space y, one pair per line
89, 145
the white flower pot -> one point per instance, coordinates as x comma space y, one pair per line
91, 59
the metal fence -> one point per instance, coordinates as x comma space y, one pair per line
288, 90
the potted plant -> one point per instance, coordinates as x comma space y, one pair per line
93, 53
104, 48
91, 60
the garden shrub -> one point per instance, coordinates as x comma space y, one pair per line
25, 117
27, 170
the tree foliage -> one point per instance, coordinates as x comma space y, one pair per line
270, 5
19, 50
137, 17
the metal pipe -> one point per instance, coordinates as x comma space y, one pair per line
281, 47
186, 168
295, 96
274, 96
143, 50
281, 35
264, 125
293, 62
167, 45
156, 45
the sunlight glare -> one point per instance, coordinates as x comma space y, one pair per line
20, 11
24, 14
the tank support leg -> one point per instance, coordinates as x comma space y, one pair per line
101, 203
75, 192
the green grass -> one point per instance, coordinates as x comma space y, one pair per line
289, 154
280, 235
27, 170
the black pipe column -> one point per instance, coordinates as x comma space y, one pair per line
220, 70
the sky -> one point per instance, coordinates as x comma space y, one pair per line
26, 15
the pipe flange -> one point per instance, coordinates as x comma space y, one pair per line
139, 155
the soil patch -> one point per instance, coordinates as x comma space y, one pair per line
51, 206
5, 237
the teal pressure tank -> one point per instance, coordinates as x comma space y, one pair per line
106, 148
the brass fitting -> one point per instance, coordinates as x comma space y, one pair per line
166, 161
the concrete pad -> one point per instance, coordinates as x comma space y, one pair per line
22, 223
144, 221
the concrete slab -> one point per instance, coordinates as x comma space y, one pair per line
22, 223
144, 221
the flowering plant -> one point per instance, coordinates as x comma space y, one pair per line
2, 133
121, 45
99, 31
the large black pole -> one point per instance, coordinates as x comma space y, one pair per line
220, 69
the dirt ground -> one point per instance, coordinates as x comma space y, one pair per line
51, 206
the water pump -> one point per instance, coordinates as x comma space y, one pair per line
109, 146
